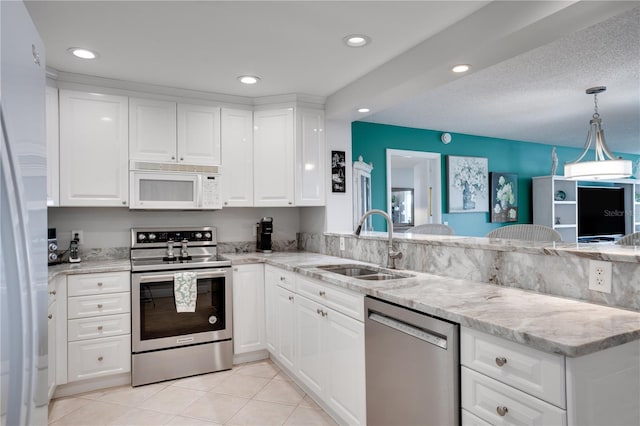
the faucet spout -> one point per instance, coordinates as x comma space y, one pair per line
392, 254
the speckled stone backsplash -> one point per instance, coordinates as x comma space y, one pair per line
250, 246
549, 271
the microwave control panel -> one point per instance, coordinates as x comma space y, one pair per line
211, 192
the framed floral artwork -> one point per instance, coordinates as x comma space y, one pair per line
467, 184
504, 197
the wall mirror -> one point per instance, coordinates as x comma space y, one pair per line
418, 172
402, 208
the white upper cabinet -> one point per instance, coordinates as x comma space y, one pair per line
310, 158
168, 132
273, 155
93, 149
198, 134
152, 130
237, 158
53, 143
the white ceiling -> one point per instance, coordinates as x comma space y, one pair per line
531, 61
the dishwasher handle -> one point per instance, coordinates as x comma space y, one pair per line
411, 330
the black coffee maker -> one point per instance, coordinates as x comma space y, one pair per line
265, 229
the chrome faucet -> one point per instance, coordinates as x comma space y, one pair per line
392, 255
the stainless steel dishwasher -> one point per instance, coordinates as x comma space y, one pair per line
412, 367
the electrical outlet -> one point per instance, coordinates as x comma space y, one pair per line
78, 236
600, 276
342, 243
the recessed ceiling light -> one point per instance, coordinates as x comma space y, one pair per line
363, 110
82, 53
461, 68
248, 79
356, 40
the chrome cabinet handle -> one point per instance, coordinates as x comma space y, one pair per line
502, 410
181, 158
318, 311
500, 361
321, 293
325, 313
173, 158
290, 297
100, 358
53, 293
99, 305
99, 283
124, 203
282, 278
99, 328
50, 316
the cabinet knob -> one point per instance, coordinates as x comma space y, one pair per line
290, 203
325, 313
99, 305
99, 328
225, 203
100, 284
502, 411
100, 358
282, 278
318, 311
173, 158
53, 292
124, 203
181, 159
321, 293
500, 361
235, 269
291, 298
50, 316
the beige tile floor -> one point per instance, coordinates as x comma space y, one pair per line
250, 394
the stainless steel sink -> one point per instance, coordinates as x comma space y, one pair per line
363, 272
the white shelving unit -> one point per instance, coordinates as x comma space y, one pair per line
553, 210
561, 213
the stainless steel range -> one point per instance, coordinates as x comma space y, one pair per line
167, 344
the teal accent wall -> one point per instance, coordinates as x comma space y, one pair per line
527, 159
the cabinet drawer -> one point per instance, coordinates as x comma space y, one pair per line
469, 419
538, 373
285, 279
101, 304
99, 357
484, 397
345, 301
111, 282
94, 327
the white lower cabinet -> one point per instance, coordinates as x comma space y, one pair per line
320, 346
98, 325
249, 333
503, 382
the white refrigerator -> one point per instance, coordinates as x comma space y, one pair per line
23, 220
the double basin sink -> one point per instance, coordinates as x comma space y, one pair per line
362, 272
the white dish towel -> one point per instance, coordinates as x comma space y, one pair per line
185, 290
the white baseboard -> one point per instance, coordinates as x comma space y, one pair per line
250, 357
90, 385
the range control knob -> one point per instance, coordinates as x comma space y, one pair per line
198, 235
152, 237
53, 257
142, 237
207, 235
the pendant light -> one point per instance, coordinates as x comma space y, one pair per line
605, 165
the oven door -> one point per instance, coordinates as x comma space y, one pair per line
155, 323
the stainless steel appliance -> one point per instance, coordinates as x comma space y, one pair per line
23, 220
265, 229
412, 367
167, 186
167, 344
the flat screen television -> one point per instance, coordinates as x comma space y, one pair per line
601, 212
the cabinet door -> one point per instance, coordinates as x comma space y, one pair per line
286, 349
93, 149
51, 348
271, 277
99, 357
344, 353
152, 130
248, 309
53, 143
198, 134
310, 158
311, 363
237, 158
273, 158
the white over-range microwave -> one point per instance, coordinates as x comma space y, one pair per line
171, 186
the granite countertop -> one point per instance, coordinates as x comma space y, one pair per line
89, 266
549, 323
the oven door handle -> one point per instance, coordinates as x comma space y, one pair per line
169, 277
